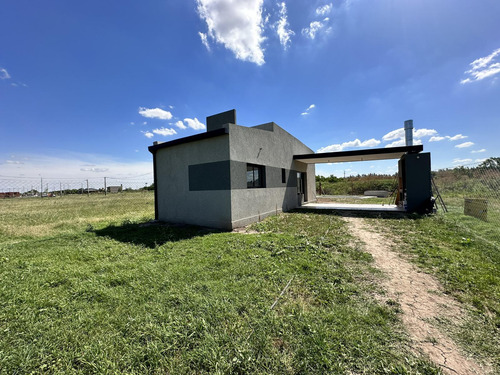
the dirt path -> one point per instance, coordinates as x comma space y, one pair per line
421, 298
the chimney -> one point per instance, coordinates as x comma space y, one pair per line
409, 132
219, 120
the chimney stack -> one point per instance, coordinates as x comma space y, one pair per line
409, 132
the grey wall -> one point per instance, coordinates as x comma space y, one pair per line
176, 202
273, 147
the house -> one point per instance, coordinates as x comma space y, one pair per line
114, 189
231, 175
10, 194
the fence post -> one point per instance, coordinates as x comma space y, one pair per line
105, 188
41, 187
88, 193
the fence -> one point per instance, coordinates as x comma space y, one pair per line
41, 187
473, 190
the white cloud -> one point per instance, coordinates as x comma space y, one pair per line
194, 124
478, 151
454, 138
237, 24
324, 10
465, 144
148, 134
395, 134
70, 168
457, 137
462, 161
421, 133
155, 113
4, 74
204, 40
398, 136
180, 125
483, 67
402, 142
164, 131
308, 110
311, 31
283, 28
356, 143
96, 170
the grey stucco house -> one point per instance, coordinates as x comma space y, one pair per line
231, 175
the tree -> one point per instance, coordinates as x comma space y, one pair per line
490, 163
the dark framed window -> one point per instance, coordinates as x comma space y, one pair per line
283, 175
255, 176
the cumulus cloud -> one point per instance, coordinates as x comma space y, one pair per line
350, 144
164, 131
148, 134
180, 125
483, 67
453, 138
155, 113
194, 124
398, 136
282, 27
324, 10
478, 151
308, 110
462, 161
457, 137
465, 144
236, 24
4, 74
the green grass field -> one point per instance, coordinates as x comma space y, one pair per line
87, 285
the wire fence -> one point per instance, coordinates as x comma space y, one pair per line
41, 187
472, 190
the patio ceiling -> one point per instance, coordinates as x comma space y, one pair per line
358, 155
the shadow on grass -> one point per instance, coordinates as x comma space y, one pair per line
152, 234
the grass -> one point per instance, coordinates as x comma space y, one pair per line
464, 253
87, 285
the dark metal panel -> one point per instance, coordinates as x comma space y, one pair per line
209, 176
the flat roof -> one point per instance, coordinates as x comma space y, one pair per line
192, 138
358, 155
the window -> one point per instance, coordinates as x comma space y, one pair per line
283, 175
255, 176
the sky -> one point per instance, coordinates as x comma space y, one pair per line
86, 87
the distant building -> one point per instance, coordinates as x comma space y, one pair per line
12, 194
114, 189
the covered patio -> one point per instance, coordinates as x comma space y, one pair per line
412, 175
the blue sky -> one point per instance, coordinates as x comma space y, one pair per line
86, 87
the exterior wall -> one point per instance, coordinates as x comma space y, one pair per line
273, 149
180, 200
